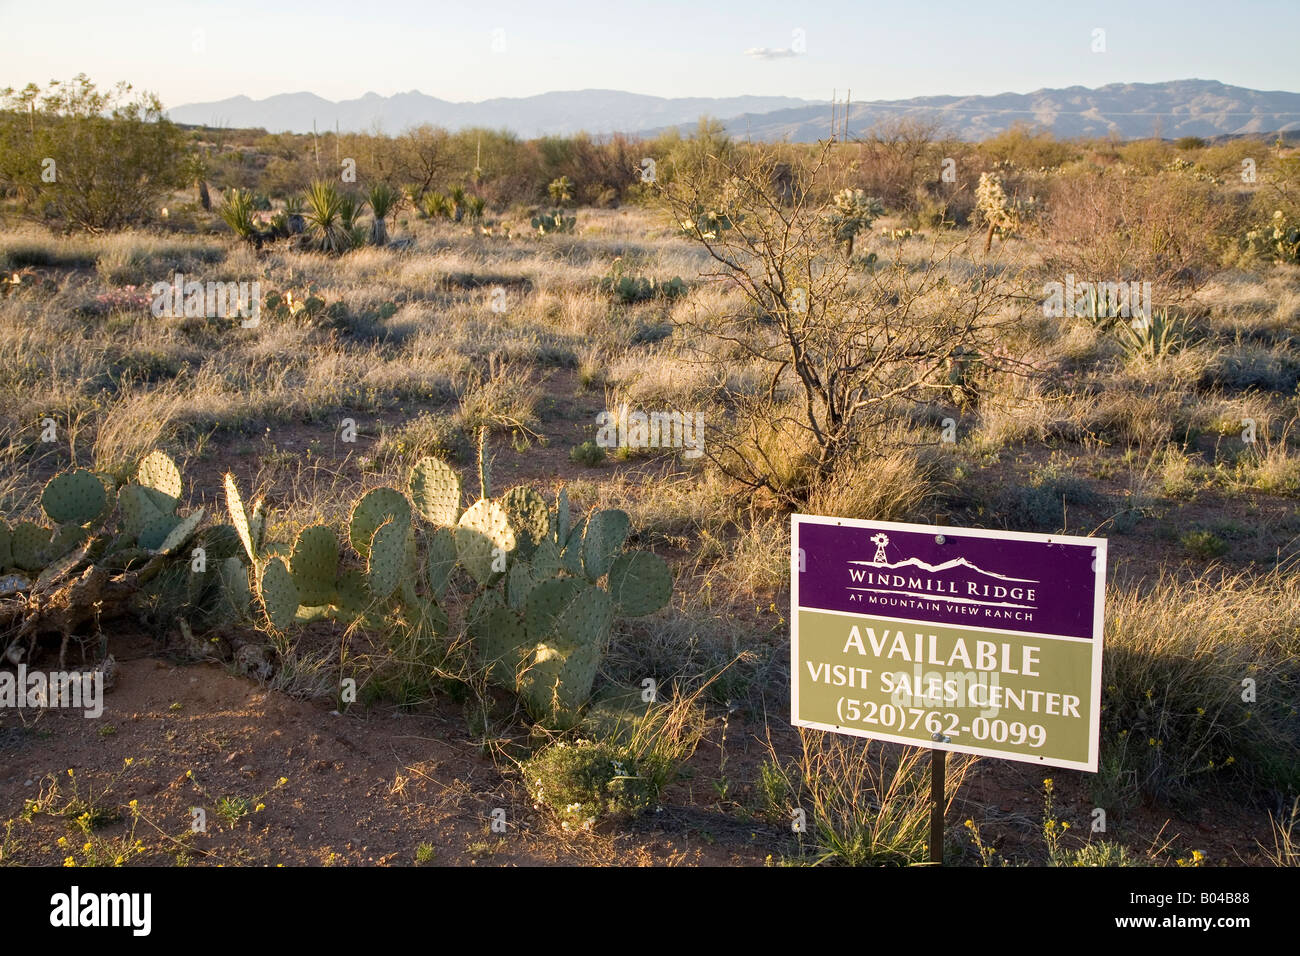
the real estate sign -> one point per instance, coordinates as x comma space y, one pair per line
982, 642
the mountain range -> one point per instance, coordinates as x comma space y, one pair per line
1171, 109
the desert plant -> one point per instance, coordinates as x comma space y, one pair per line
835, 346
112, 547
326, 228
456, 203
436, 206
382, 199
1151, 337
237, 212
560, 190
116, 154
853, 211
554, 221
995, 208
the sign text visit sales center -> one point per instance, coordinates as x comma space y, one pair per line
991, 639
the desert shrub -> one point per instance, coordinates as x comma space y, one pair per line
1024, 147
1113, 225
115, 155
587, 781
588, 453
807, 311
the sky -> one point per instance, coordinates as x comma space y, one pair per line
187, 51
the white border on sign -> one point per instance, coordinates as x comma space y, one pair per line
1098, 629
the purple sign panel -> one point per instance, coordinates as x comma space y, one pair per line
955, 576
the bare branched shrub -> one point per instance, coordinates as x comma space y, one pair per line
842, 342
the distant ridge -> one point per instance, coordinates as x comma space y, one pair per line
1205, 108
548, 114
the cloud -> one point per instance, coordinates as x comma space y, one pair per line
766, 53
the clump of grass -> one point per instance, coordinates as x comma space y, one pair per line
1199, 677
864, 805
1204, 545
1286, 837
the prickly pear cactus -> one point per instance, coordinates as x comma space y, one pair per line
483, 539
603, 541
435, 490
314, 565
278, 594
76, 497
528, 516
375, 507
161, 480
640, 583
387, 553
238, 517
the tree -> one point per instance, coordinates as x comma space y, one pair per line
837, 349
96, 159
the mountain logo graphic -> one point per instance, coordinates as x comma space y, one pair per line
957, 581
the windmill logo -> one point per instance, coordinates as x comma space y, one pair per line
880, 540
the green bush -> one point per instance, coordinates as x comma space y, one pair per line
587, 781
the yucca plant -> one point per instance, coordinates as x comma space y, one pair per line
456, 201
436, 206
1153, 336
293, 207
326, 228
475, 206
237, 211
383, 199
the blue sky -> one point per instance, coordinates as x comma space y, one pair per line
882, 49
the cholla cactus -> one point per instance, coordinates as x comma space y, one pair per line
994, 206
852, 212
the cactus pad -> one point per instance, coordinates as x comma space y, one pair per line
587, 619
180, 535
519, 582
562, 518
387, 553
29, 541
435, 489
603, 540
546, 602
640, 583
501, 640
6, 546
314, 565
481, 534
557, 683
238, 516
235, 593
156, 531
440, 560
546, 560
74, 496
529, 518
161, 479
375, 507
278, 593
139, 509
